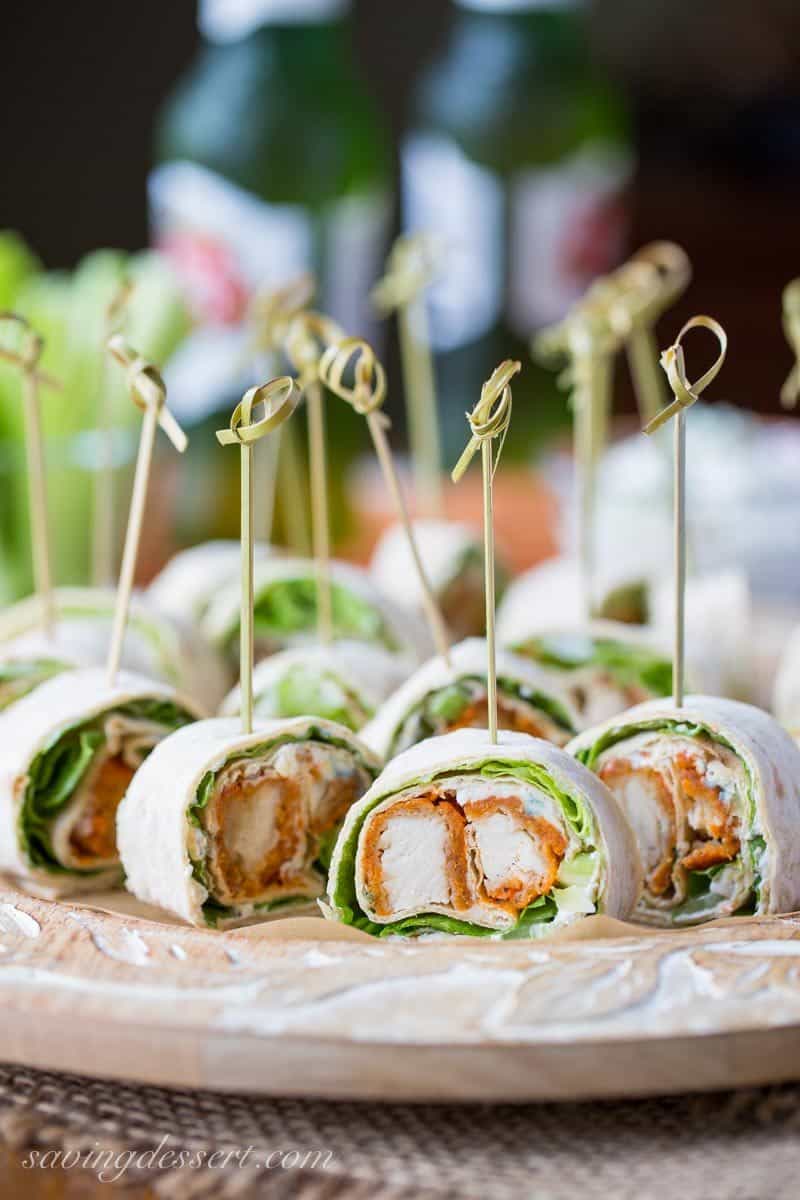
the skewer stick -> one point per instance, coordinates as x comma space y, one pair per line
306, 338
685, 393
488, 420
651, 281
410, 268
270, 313
589, 342
591, 351
279, 398
366, 395
26, 358
790, 392
103, 498
148, 392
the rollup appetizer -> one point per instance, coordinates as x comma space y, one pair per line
465, 836
344, 682
719, 631
606, 667
712, 792
191, 578
285, 610
786, 699
443, 696
452, 554
156, 645
68, 751
549, 596
718, 622
21, 675
221, 826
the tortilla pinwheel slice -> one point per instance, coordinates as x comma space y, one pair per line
460, 835
549, 596
20, 676
344, 682
285, 611
185, 587
442, 696
452, 554
712, 793
786, 695
719, 636
719, 639
224, 826
606, 667
68, 751
156, 645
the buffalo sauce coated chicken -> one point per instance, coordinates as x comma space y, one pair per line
471, 849
265, 818
680, 796
511, 715
84, 833
93, 836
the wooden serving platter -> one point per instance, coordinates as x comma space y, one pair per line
292, 1009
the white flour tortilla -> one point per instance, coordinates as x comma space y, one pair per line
221, 621
152, 827
192, 577
361, 667
469, 748
32, 723
156, 645
772, 761
466, 658
442, 546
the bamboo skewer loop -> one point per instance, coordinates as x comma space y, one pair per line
280, 397
489, 420
366, 395
686, 394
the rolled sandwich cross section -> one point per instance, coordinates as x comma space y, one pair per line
606, 667
156, 644
441, 697
712, 792
786, 696
460, 835
344, 682
549, 596
452, 554
68, 751
220, 826
285, 610
20, 676
190, 580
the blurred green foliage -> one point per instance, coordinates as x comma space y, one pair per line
69, 311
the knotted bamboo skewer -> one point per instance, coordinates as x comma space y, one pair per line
685, 393
488, 421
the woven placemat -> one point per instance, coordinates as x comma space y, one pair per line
716, 1147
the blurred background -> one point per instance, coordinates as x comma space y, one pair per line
544, 139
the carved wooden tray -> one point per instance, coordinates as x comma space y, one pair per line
292, 1009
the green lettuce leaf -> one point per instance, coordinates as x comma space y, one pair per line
446, 704
628, 603
18, 678
700, 899
289, 606
626, 663
308, 690
544, 909
205, 790
57, 770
